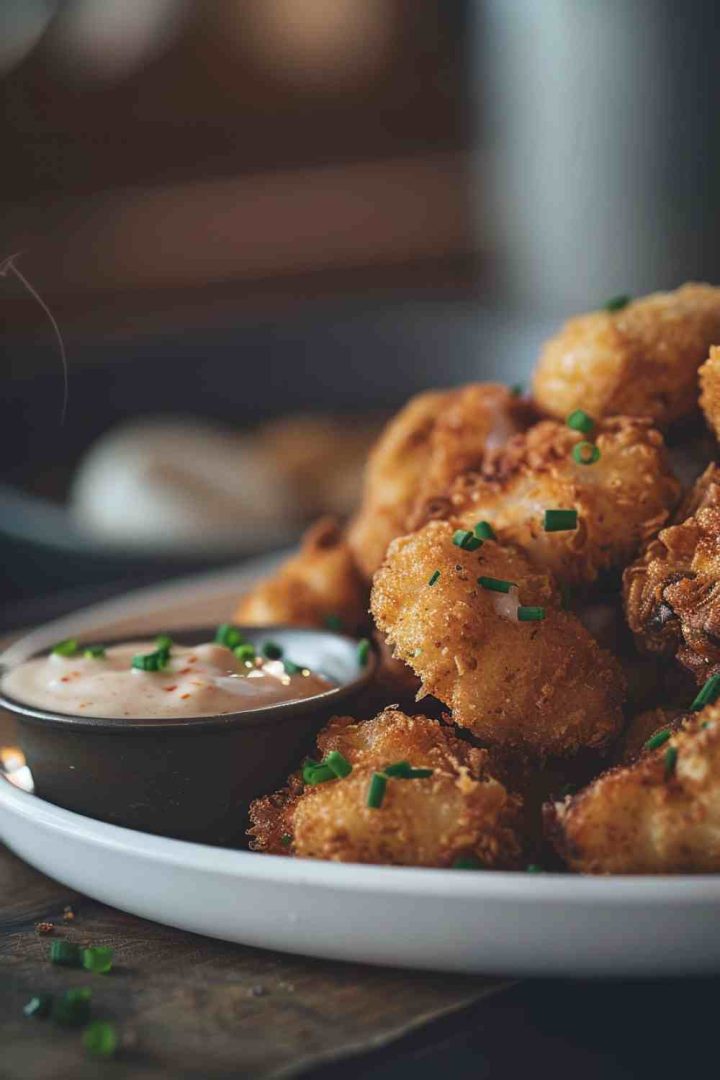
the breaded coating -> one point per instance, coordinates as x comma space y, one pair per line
458, 811
621, 499
543, 687
319, 583
710, 389
433, 439
660, 815
641, 360
672, 592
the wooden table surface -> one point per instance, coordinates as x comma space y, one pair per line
188, 1006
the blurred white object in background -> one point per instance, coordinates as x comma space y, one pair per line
22, 24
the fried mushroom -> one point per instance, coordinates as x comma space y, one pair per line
541, 686
710, 389
640, 360
458, 811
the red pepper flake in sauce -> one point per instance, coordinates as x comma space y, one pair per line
44, 927
184, 697
169, 689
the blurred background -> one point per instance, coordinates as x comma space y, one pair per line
261, 224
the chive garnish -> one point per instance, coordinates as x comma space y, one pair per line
363, 652
338, 763
530, 614
333, 622
163, 642
272, 651
434, 577
579, 420
316, 773
585, 453
517, 389
617, 303
376, 791
69, 647
73, 1008
403, 770
100, 1039
291, 668
533, 868
670, 761
38, 1006
467, 862
154, 661
484, 530
94, 652
65, 953
228, 635
495, 584
286, 839
98, 958
464, 539
560, 520
708, 693
657, 739
400, 768
245, 653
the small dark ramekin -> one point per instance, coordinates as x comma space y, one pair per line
191, 777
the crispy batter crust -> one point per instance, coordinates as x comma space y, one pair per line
433, 439
641, 360
459, 810
320, 581
541, 687
649, 817
710, 388
672, 592
621, 500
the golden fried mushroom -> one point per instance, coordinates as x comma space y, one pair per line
672, 592
710, 389
526, 677
457, 811
435, 438
318, 583
660, 815
621, 499
641, 360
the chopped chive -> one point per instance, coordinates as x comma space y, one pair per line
579, 420
363, 652
617, 303
333, 622
484, 530
38, 1006
94, 652
376, 791
399, 768
245, 653
286, 839
316, 773
338, 763
708, 693
163, 642
64, 953
517, 389
100, 1039
657, 739
670, 761
530, 614
65, 648
585, 453
467, 862
272, 651
98, 958
533, 868
418, 774
495, 584
228, 635
464, 539
291, 668
434, 577
154, 661
560, 520
403, 770
73, 1008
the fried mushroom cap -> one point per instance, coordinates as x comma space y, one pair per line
621, 499
710, 389
641, 360
672, 592
433, 439
319, 582
543, 687
458, 811
660, 815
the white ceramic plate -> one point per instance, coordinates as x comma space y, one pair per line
493, 923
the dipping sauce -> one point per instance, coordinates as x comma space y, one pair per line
202, 680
